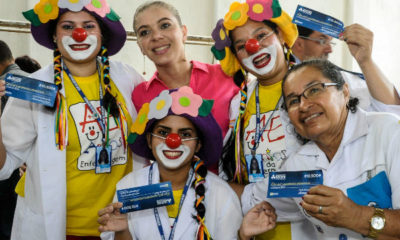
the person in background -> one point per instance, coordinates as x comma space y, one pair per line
161, 37
62, 145
8, 197
255, 38
311, 44
27, 64
357, 152
183, 137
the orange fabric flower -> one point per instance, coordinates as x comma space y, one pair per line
142, 118
237, 15
46, 10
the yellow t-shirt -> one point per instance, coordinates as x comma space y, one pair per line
174, 208
87, 192
271, 146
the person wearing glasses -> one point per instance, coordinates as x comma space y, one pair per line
356, 151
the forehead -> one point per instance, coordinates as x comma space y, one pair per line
175, 122
317, 34
77, 17
248, 29
152, 15
302, 78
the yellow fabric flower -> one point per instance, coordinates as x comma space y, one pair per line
289, 29
237, 15
46, 10
142, 118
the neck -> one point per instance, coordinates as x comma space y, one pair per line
275, 78
177, 177
175, 75
3, 66
81, 69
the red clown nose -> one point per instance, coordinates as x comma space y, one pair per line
79, 34
173, 140
252, 46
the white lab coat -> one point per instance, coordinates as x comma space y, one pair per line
28, 135
369, 146
223, 212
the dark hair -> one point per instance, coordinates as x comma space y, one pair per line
303, 31
27, 64
161, 4
5, 52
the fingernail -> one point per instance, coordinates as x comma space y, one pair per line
302, 197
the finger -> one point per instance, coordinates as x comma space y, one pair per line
322, 190
318, 199
103, 219
313, 209
108, 209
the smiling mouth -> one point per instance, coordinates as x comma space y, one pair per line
161, 50
309, 118
172, 154
262, 60
79, 47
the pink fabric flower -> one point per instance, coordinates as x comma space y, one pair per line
100, 7
260, 10
185, 101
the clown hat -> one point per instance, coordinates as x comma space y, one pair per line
181, 102
238, 15
45, 13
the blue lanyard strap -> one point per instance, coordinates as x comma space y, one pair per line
156, 214
99, 119
259, 133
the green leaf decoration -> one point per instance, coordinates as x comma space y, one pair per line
113, 16
276, 9
132, 138
32, 17
206, 107
219, 54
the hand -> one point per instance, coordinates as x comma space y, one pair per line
359, 40
22, 169
2, 88
110, 218
259, 219
337, 209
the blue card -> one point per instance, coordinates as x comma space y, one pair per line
144, 197
375, 193
292, 184
317, 21
30, 89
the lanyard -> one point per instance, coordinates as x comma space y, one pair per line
157, 216
259, 133
99, 119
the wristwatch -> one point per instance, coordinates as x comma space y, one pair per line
377, 223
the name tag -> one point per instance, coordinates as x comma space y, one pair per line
292, 184
30, 89
144, 197
317, 21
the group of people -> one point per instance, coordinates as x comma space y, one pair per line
214, 131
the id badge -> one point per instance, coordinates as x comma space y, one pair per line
255, 167
103, 159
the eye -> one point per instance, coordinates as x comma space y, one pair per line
165, 25
162, 132
186, 134
293, 101
67, 26
144, 33
89, 26
239, 47
314, 90
261, 36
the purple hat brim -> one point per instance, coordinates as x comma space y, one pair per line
43, 33
210, 132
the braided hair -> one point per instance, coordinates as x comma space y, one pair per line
200, 173
109, 101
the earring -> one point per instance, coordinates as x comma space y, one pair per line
144, 64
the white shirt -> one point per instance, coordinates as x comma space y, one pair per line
369, 146
223, 212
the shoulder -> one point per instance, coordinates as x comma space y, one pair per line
214, 70
382, 120
218, 187
122, 69
45, 74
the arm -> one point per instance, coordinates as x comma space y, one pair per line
339, 211
359, 41
2, 148
110, 219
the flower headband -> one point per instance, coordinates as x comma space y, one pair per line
47, 10
182, 101
239, 13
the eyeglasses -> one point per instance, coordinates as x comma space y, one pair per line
183, 137
313, 91
320, 41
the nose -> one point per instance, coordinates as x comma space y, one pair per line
173, 140
79, 34
252, 46
304, 104
156, 34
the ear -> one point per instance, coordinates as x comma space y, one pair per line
148, 139
280, 36
198, 146
346, 92
184, 32
298, 45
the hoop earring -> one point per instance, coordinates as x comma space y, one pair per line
144, 64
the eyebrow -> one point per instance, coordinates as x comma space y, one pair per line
306, 86
73, 22
168, 128
160, 20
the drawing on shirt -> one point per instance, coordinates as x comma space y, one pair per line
272, 141
90, 136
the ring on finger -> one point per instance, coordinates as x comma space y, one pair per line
320, 210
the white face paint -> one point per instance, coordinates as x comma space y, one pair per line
261, 62
172, 158
80, 50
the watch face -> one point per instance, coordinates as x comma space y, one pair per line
377, 222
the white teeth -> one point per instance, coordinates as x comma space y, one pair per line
172, 154
80, 46
160, 48
311, 117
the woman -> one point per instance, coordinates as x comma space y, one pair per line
258, 42
65, 179
181, 135
161, 37
356, 151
